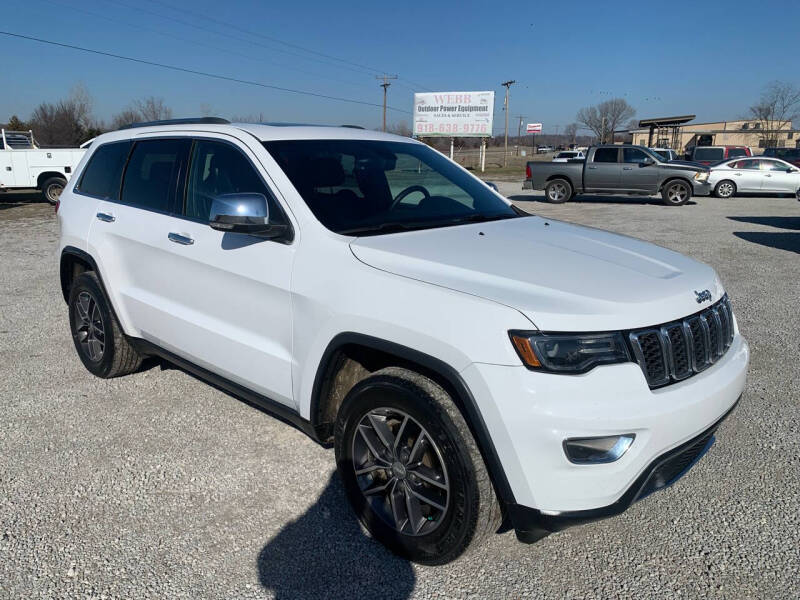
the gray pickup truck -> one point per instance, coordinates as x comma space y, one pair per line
618, 169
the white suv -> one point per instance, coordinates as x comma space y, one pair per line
469, 362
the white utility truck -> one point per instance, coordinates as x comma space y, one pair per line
24, 165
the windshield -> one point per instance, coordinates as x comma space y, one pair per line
566, 155
365, 187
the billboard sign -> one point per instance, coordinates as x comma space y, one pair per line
533, 128
453, 114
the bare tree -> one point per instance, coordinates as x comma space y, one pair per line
152, 109
571, 132
251, 118
400, 128
778, 106
125, 117
604, 118
66, 122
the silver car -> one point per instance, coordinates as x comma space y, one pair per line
754, 175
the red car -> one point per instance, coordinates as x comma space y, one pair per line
705, 155
790, 155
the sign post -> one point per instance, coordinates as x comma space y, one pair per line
533, 129
454, 114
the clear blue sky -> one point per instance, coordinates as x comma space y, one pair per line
666, 58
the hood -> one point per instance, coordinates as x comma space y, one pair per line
563, 277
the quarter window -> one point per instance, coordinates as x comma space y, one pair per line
605, 155
153, 172
217, 169
103, 174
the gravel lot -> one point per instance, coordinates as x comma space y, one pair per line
157, 485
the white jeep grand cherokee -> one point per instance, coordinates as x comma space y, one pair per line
469, 362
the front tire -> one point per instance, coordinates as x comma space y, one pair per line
558, 191
725, 189
52, 188
411, 468
99, 340
676, 193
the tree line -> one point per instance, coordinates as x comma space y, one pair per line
70, 121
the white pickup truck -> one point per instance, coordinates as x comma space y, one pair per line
23, 165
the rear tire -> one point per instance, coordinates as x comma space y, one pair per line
676, 192
409, 442
52, 188
558, 191
99, 340
725, 189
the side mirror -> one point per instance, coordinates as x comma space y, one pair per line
244, 213
492, 185
647, 162
791, 170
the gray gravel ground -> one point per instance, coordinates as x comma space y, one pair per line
159, 486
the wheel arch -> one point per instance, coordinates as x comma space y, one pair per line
566, 178
42, 177
341, 368
677, 178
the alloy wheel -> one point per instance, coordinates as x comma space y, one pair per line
677, 192
89, 327
557, 192
725, 189
400, 471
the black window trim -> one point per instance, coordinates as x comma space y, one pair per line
183, 181
619, 155
76, 189
271, 194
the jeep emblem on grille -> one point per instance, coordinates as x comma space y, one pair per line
704, 296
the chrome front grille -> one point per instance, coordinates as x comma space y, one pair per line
679, 349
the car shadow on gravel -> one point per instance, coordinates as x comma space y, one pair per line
598, 200
779, 222
325, 554
781, 240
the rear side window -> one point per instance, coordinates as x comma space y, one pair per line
102, 176
605, 155
752, 164
734, 152
708, 153
152, 175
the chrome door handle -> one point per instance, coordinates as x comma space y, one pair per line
180, 239
106, 217
627, 168
767, 175
591, 167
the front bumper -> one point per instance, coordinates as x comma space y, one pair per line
701, 188
528, 415
532, 525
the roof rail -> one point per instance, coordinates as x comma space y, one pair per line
190, 121
352, 126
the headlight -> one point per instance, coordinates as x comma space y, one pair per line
701, 176
569, 352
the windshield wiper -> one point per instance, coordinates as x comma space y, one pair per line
395, 227
380, 228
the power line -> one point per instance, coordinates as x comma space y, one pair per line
200, 44
195, 72
237, 38
263, 36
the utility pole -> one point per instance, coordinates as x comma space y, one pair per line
385, 85
519, 131
507, 85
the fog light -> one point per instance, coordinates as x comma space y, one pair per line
596, 450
